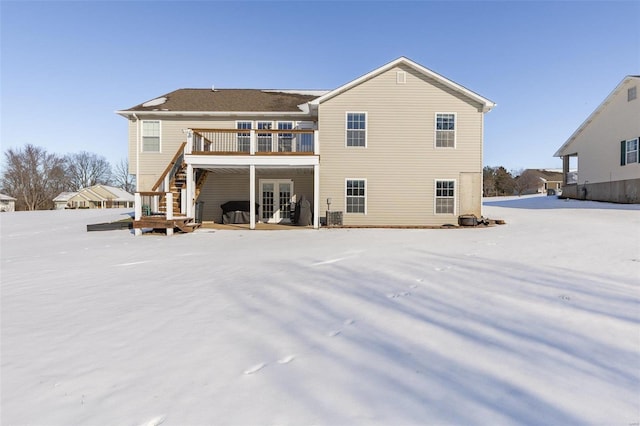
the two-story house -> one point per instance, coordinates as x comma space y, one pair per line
606, 149
398, 146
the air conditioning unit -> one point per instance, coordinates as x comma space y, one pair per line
334, 218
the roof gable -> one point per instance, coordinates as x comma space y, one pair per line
614, 93
487, 105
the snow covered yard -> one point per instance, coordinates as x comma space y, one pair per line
533, 322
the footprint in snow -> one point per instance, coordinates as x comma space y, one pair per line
155, 421
255, 368
396, 295
348, 321
565, 297
333, 333
286, 360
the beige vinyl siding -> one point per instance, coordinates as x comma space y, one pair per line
233, 185
152, 164
400, 162
598, 146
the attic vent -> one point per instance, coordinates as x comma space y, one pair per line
401, 77
631, 93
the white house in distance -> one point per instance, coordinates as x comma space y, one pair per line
606, 146
398, 146
94, 197
7, 203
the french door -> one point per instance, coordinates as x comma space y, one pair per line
275, 197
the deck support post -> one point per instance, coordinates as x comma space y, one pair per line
169, 198
137, 206
252, 196
191, 202
316, 196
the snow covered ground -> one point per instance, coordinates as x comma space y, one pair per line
533, 322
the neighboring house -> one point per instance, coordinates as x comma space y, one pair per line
606, 146
95, 197
7, 203
400, 145
540, 181
61, 201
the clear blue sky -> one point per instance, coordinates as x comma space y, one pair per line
67, 66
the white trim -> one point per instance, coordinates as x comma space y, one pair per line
455, 130
366, 196
455, 196
159, 151
126, 114
487, 104
275, 183
346, 129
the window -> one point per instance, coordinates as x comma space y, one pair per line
244, 139
629, 151
264, 139
445, 130
356, 200
631, 93
285, 139
150, 136
356, 129
445, 196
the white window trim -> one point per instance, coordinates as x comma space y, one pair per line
366, 129
159, 136
627, 151
366, 195
257, 123
455, 130
455, 197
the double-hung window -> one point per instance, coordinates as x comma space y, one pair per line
264, 138
356, 196
244, 138
629, 151
445, 130
445, 196
285, 140
150, 136
357, 129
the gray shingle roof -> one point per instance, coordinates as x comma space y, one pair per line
226, 100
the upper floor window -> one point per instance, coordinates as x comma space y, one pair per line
632, 93
151, 136
244, 138
285, 140
445, 196
445, 130
264, 138
629, 151
357, 129
356, 197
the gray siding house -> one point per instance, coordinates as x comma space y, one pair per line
398, 146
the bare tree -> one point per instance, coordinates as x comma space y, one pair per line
122, 178
33, 176
526, 181
86, 169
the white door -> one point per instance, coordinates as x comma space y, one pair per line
275, 197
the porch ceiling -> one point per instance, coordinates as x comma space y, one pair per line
244, 170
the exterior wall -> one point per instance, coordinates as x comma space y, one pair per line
598, 145
7, 205
221, 187
153, 164
621, 191
400, 162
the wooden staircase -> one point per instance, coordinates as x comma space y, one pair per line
177, 183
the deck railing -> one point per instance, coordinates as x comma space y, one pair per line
252, 141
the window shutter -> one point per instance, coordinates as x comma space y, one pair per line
638, 154
623, 153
